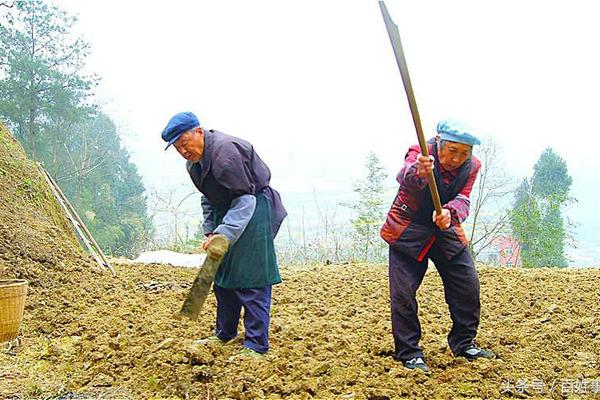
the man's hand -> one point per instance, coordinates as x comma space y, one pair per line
216, 246
207, 241
442, 220
424, 165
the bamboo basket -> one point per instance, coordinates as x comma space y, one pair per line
12, 303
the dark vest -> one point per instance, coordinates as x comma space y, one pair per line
216, 193
447, 191
253, 178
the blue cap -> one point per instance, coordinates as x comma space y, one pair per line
178, 125
456, 131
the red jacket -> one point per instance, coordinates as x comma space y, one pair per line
409, 224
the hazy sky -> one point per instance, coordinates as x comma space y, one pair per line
314, 84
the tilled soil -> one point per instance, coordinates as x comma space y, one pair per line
87, 335
95, 336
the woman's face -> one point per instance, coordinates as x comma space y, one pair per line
453, 155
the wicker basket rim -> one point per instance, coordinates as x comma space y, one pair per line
5, 283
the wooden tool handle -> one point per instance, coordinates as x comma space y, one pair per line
394, 36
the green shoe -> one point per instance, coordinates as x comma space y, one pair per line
415, 364
472, 352
214, 339
247, 353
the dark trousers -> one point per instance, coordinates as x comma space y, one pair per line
461, 288
257, 307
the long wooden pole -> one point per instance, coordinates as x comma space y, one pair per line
76, 221
394, 35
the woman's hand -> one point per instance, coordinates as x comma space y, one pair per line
424, 165
443, 220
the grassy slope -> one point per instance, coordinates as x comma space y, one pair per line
34, 234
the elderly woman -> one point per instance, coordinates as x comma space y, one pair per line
237, 202
416, 234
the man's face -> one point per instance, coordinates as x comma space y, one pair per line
453, 155
191, 145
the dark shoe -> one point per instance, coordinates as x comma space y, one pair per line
416, 363
472, 352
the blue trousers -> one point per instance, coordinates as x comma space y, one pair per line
461, 288
257, 308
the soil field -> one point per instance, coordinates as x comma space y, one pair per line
93, 336
87, 335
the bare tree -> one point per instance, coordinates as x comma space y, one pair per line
490, 211
171, 206
321, 238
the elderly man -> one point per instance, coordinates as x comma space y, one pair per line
237, 202
416, 234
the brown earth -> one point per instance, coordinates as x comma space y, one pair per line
35, 238
88, 335
330, 338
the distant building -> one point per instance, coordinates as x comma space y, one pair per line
504, 251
